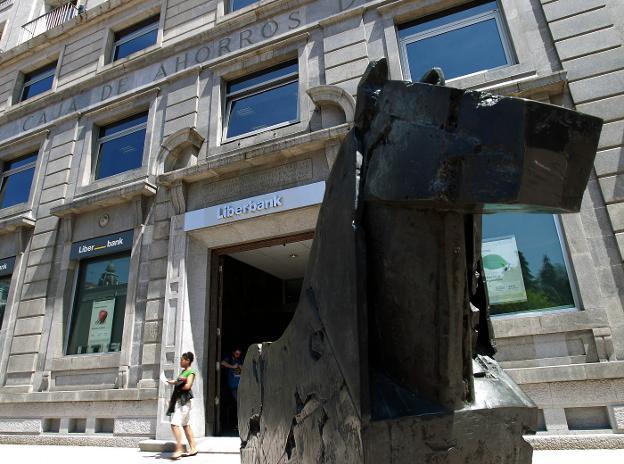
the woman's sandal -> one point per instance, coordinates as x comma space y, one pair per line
176, 455
188, 455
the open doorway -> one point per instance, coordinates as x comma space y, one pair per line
257, 292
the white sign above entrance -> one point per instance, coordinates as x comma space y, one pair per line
261, 205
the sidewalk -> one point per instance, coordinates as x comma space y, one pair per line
92, 455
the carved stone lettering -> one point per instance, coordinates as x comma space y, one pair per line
245, 38
224, 46
295, 21
269, 29
202, 54
252, 35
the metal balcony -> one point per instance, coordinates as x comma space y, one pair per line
48, 21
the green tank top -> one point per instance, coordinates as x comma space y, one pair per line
188, 372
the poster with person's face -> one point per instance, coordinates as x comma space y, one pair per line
503, 272
101, 326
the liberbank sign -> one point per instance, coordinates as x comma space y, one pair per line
213, 49
261, 205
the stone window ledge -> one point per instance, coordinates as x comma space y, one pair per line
258, 155
130, 394
114, 195
575, 372
16, 217
543, 323
547, 85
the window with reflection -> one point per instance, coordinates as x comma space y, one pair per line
38, 81
135, 38
261, 101
16, 178
524, 263
120, 146
234, 5
99, 306
461, 42
5, 283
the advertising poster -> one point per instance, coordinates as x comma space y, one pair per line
101, 326
503, 272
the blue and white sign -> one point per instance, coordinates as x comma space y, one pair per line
261, 205
100, 246
6, 266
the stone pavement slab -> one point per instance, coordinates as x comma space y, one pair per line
95, 455
593, 456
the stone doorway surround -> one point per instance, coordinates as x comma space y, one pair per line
187, 299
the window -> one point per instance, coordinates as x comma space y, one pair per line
238, 4
524, 263
135, 38
16, 179
262, 100
120, 146
461, 42
5, 283
99, 305
38, 81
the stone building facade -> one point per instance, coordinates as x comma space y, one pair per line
144, 144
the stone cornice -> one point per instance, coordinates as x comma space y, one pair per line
113, 195
261, 154
130, 394
13, 223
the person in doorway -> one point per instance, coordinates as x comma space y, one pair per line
180, 406
233, 364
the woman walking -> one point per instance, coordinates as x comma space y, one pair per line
180, 406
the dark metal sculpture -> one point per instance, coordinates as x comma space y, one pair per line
387, 359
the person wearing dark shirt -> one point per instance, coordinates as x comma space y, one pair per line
233, 365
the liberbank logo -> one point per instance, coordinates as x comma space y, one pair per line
82, 249
261, 205
6, 266
102, 245
228, 211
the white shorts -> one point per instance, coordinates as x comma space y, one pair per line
181, 415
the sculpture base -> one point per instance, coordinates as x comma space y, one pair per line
489, 430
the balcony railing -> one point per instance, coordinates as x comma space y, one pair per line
5, 3
48, 21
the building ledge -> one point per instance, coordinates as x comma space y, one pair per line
260, 154
529, 87
568, 373
111, 196
21, 220
575, 441
129, 394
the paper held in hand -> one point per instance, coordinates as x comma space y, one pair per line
163, 377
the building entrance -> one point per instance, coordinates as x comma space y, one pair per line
257, 289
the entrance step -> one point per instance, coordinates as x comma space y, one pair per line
205, 445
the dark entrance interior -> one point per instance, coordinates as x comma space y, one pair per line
259, 292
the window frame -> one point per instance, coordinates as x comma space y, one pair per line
148, 27
100, 141
257, 89
74, 296
8, 173
574, 287
26, 83
229, 9
495, 14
